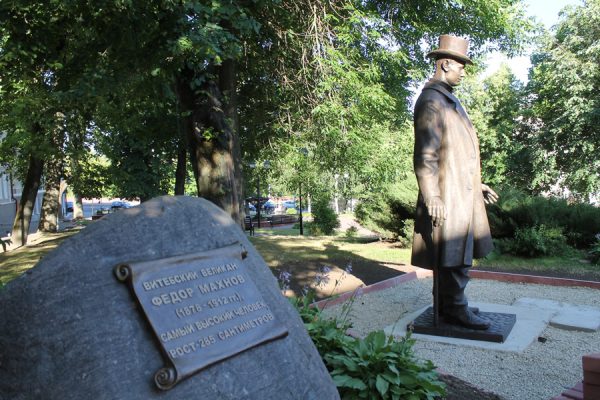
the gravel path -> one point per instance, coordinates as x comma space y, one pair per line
542, 371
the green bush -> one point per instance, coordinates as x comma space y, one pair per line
312, 229
291, 211
376, 367
390, 212
324, 218
535, 241
515, 211
352, 232
406, 233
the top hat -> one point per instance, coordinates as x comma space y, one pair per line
452, 47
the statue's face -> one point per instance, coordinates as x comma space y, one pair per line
455, 71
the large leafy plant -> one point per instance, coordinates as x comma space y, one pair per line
381, 367
376, 367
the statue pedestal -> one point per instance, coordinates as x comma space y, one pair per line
501, 325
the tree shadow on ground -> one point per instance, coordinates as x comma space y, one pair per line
330, 272
16, 262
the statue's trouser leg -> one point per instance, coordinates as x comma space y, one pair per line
453, 282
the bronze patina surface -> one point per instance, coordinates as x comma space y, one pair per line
500, 326
451, 227
202, 307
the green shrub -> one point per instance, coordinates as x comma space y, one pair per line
291, 211
328, 334
324, 218
312, 229
352, 232
582, 225
406, 233
515, 210
535, 241
376, 367
390, 212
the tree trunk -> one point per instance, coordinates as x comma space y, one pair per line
54, 166
211, 143
20, 230
181, 171
77, 207
228, 81
51, 201
62, 199
76, 148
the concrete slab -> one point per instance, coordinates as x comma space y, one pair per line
530, 323
566, 316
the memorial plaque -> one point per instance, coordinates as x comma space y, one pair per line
202, 307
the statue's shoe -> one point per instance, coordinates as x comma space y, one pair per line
466, 318
474, 310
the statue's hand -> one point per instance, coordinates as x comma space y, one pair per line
436, 210
489, 196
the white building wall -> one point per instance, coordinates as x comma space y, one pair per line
7, 204
9, 200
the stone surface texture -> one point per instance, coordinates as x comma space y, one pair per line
567, 316
70, 330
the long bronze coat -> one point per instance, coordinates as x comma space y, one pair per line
447, 164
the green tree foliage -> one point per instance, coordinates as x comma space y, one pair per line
565, 110
349, 103
153, 78
324, 218
91, 179
52, 58
495, 106
390, 212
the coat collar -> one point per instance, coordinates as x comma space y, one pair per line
444, 89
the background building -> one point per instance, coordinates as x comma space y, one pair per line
10, 194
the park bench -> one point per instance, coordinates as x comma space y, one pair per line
282, 219
249, 225
589, 388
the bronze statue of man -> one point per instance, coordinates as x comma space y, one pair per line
451, 225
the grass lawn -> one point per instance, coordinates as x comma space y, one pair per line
572, 265
304, 257
278, 247
16, 262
